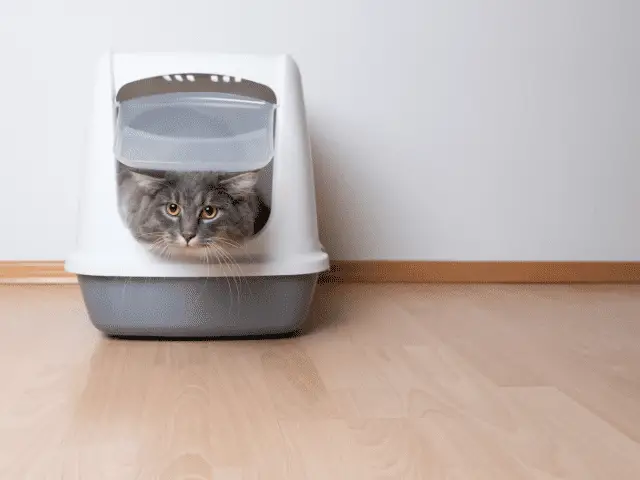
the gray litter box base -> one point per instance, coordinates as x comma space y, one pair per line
198, 307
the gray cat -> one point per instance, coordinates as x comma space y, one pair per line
186, 212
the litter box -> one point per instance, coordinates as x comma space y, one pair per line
218, 112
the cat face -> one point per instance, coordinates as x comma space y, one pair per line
187, 211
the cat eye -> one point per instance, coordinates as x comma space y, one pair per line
173, 209
209, 212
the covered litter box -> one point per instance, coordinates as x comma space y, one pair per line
199, 113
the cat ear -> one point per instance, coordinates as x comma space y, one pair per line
241, 185
144, 179
146, 182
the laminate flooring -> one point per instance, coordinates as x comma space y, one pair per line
457, 382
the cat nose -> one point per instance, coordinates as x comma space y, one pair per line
188, 236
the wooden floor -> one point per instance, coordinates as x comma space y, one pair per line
390, 382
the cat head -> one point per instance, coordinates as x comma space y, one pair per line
187, 211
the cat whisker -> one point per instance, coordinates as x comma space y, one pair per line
206, 253
236, 279
227, 241
156, 246
235, 244
233, 262
225, 257
212, 250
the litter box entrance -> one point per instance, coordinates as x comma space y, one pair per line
190, 123
195, 122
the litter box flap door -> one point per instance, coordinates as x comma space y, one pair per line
195, 131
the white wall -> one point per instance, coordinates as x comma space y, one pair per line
468, 129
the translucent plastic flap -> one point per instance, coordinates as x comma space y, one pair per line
195, 132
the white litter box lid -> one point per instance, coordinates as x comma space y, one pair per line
187, 131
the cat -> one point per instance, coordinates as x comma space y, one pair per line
186, 212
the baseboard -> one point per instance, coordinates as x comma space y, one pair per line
484, 272
34, 272
379, 271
